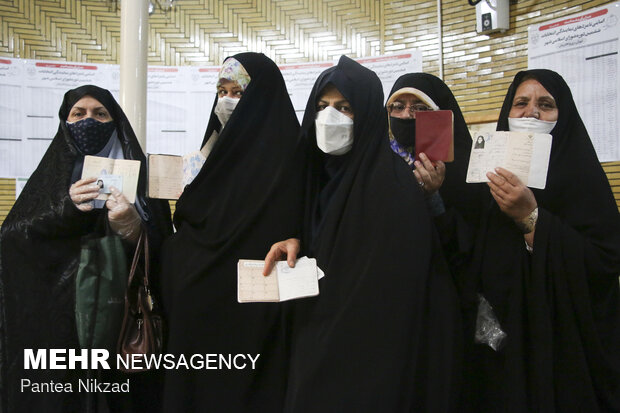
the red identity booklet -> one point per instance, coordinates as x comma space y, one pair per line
434, 135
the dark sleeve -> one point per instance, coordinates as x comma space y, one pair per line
158, 227
63, 220
456, 236
435, 204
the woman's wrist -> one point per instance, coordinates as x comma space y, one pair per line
528, 223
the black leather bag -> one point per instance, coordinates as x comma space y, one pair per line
142, 330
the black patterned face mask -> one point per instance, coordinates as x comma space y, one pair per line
90, 135
403, 131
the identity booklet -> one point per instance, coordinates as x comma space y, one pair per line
169, 174
120, 173
282, 284
524, 154
434, 135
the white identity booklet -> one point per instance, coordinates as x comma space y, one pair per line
121, 173
169, 174
524, 154
282, 284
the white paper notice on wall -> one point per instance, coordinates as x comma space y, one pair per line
180, 100
32, 92
583, 48
300, 77
391, 67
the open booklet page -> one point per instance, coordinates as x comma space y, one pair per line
121, 173
165, 176
169, 174
192, 164
524, 154
282, 284
253, 286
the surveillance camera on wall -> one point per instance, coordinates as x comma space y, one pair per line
492, 16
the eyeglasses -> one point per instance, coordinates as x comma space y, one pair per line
398, 108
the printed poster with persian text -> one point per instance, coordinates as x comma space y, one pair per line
584, 49
179, 101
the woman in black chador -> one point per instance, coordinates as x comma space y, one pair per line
245, 197
546, 267
40, 249
383, 334
454, 204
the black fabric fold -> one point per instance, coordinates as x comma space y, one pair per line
559, 306
246, 197
40, 249
383, 334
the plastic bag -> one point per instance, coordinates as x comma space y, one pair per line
488, 329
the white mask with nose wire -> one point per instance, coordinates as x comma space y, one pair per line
334, 131
531, 125
224, 108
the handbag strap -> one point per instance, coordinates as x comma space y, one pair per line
143, 244
136, 257
146, 260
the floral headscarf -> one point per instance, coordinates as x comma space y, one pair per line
235, 72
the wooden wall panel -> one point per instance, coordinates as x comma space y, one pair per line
477, 67
7, 197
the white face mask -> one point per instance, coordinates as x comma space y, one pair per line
530, 125
224, 108
334, 131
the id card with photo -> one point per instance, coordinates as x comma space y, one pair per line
105, 182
